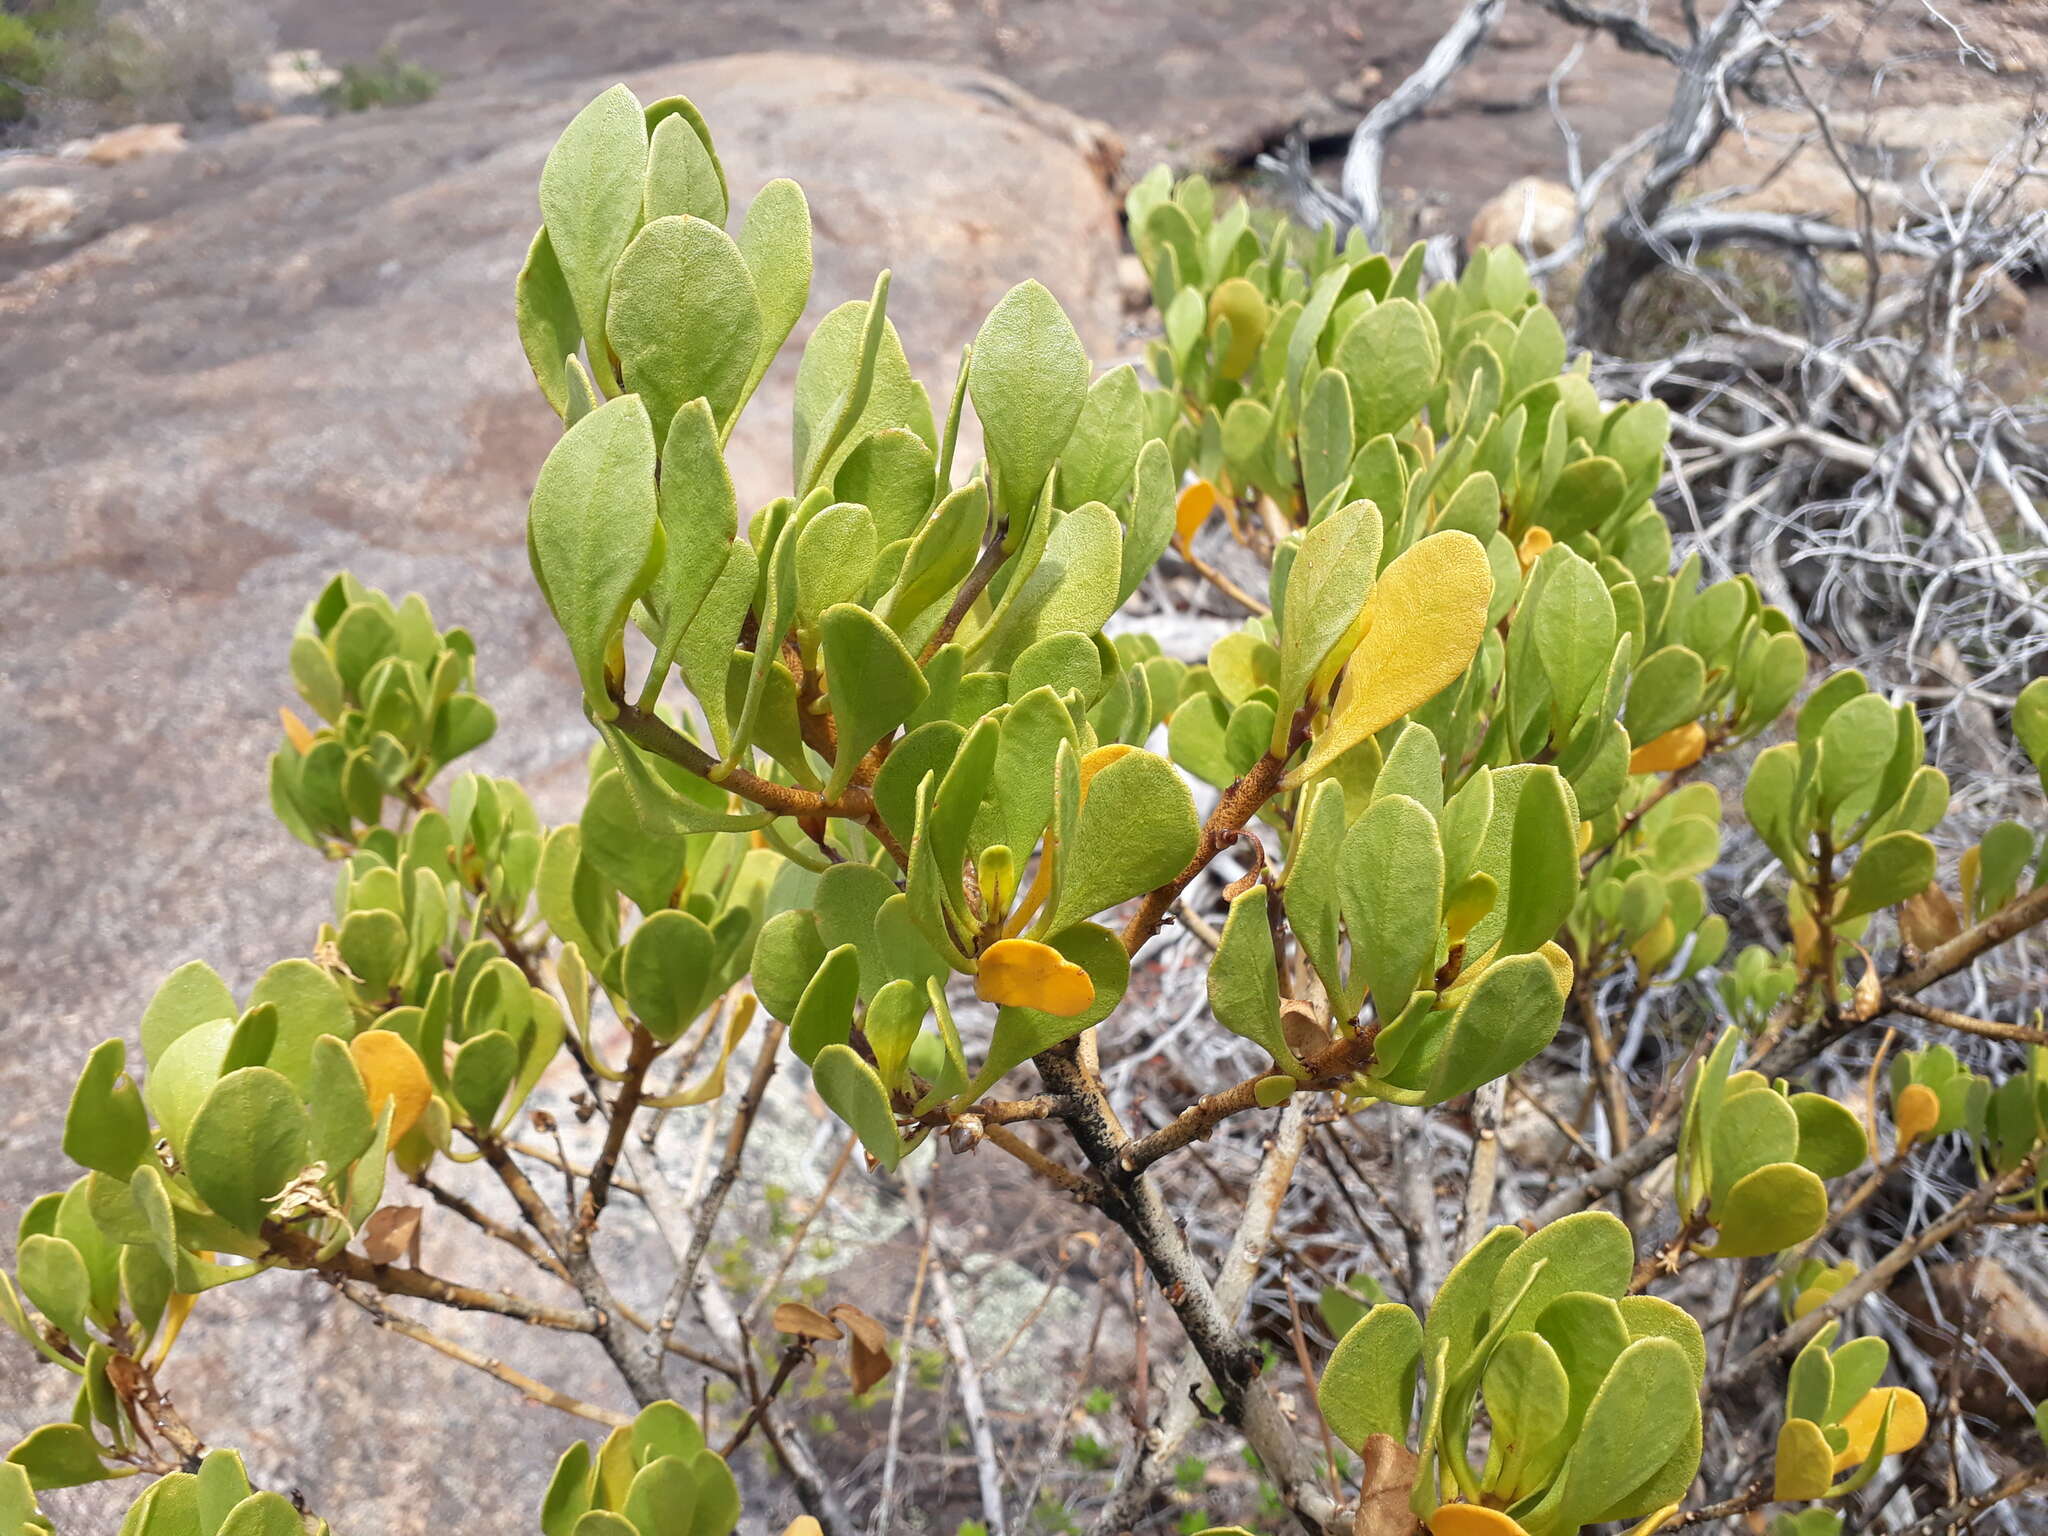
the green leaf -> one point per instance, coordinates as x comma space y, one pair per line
718, 1496
824, 1013
483, 1069
1244, 979
775, 242
1805, 1464
1149, 524
1831, 1139
1028, 384
615, 842
682, 177
1545, 878
106, 1126
853, 381
1855, 744
1637, 1419
850, 1087
684, 320
1528, 1398
941, 555
1510, 1014
1137, 830
340, 1123
1459, 1315
1889, 869
1391, 887
591, 192
1575, 628
1774, 1208
1587, 1251
373, 946
874, 681
248, 1141
593, 536
1390, 358
1368, 1386
55, 1280
669, 972
835, 555
548, 328
1664, 692
1326, 587
662, 1498
190, 996
60, 1456
699, 518
1097, 461
263, 1514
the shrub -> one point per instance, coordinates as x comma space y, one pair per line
387, 81
868, 757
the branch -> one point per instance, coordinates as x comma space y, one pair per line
1626, 30
1796, 1050
1240, 803
1991, 1029
1133, 1202
597, 1188
301, 1252
1327, 1068
534, 1391
721, 1185
1365, 159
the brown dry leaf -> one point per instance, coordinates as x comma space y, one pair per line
868, 1355
393, 1234
1929, 919
793, 1317
1384, 1484
1303, 1030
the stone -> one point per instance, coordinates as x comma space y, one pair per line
2006, 1314
301, 356
1535, 214
37, 214
139, 141
2000, 305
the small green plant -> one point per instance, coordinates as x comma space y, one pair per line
389, 80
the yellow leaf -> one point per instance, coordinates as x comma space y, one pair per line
1094, 762
1909, 1424
1653, 1522
1026, 974
1560, 966
1424, 622
1473, 1520
1197, 501
804, 1525
394, 1075
295, 731
1533, 544
1679, 747
1239, 301
1804, 1465
1916, 1112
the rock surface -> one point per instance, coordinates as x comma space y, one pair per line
138, 141
290, 350
1533, 213
37, 213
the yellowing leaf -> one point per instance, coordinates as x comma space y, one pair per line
1804, 1465
1094, 762
1473, 1520
1908, 1429
1533, 544
394, 1075
295, 731
1192, 510
803, 1525
1026, 974
1916, 1112
1679, 747
1424, 622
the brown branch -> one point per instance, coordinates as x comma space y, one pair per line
793, 1355
721, 1185
598, 1187
991, 561
1222, 583
510, 1236
1326, 1068
1796, 1050
1991, 1029
1240, 803
1133, 1202
534, 1391
301, 1252
1963, 1214
1052, 1171
1945, 1519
